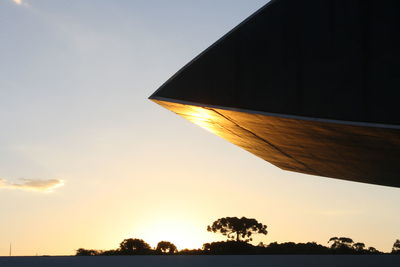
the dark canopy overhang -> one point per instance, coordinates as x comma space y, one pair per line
310, 86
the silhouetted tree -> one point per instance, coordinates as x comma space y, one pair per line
229, 247
235, 228
191, 252
166, 247
261, 244
396, 247
372, 250
341, 242
134, 246
86, 252
111, 252
359, 246
296, 248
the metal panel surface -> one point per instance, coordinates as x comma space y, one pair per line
329, 59
312, 86
332, 149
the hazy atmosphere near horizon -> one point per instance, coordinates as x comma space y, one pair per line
86, 160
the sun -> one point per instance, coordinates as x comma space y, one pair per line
181, 233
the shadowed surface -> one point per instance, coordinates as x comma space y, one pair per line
194, 261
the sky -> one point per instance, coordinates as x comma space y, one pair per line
86, 160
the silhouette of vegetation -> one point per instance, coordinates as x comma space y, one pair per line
396, 247
187, 251
228, 247
239, 233
372, 250
359, 246
166, 247
296, 248
86, 252
111, 252
235, 228
341, 242
134, 246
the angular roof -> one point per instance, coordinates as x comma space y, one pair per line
317, 69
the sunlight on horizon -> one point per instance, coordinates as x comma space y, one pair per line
75, 78
180, 232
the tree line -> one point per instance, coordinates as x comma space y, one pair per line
239, 232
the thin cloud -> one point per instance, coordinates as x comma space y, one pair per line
39, 185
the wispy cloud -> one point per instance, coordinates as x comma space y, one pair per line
39, 185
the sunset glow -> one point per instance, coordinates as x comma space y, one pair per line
182, 233
75, 77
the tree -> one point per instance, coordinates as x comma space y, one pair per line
341, 242
261, 245
228, 247
111, 252
166, 247
134, 246
396, 247
235, 228
296, 248
359, 246
86, 252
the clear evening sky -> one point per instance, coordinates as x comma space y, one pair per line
86, 160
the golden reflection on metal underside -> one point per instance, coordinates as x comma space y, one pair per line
355, 153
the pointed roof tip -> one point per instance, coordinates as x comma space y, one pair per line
283, 60
151, 96
221, 39
155, 96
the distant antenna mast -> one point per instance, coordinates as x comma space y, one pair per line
10, 249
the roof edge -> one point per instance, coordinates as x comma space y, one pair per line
287, 116
213, 45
